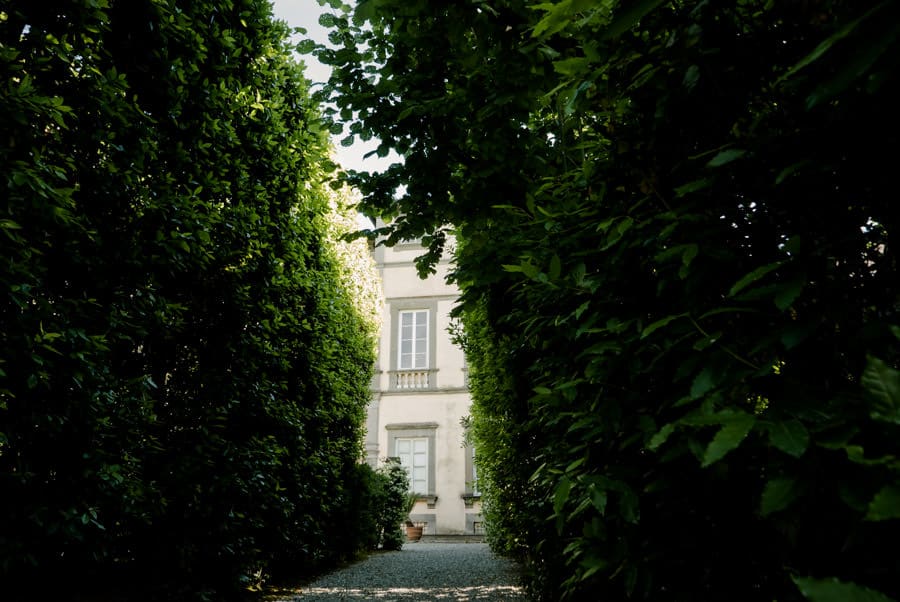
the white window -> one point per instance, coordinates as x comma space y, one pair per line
412, 345
413, 454
413, 445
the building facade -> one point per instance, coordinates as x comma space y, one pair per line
419, 394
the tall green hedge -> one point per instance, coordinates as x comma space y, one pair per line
183, 376
680, 286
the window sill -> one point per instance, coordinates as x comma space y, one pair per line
430, 500
469, 499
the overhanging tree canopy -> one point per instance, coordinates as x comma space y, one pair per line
679, 287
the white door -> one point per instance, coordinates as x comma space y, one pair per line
413, 454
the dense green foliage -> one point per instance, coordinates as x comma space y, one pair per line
183, 375
394, 511
680, 294
379, 508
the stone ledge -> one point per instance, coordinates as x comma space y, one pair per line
461, 538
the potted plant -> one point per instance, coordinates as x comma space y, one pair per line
413, 532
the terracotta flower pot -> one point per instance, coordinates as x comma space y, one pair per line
413, 533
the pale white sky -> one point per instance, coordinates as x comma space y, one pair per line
305, 13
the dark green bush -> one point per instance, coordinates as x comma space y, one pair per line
395, 483
373, 517
377, 511
366, 511
183, 378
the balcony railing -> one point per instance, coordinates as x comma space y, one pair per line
411, 380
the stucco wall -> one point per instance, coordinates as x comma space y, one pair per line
435, 412
449, 479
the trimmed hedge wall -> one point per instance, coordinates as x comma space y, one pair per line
183, 377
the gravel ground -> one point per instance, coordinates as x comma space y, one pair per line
420, 571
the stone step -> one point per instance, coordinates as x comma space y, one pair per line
469, 538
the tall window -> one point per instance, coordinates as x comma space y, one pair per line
413, 444
413, 340
413, 454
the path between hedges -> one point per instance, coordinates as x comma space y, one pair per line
420, 571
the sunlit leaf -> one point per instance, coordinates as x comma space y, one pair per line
789, 436
728, 438
660, 437
885, 505
882, 384
725, 157
654, 326
777, 495
752, 277
832, 590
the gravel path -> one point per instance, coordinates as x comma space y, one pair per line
420, 571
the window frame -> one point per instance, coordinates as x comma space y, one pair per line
412, 461
472, 492
416, 317
397, 306
473, 458
423, 430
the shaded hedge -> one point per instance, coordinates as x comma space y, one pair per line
183, 377
680, 287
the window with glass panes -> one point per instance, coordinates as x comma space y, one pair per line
413, 454
413, 334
